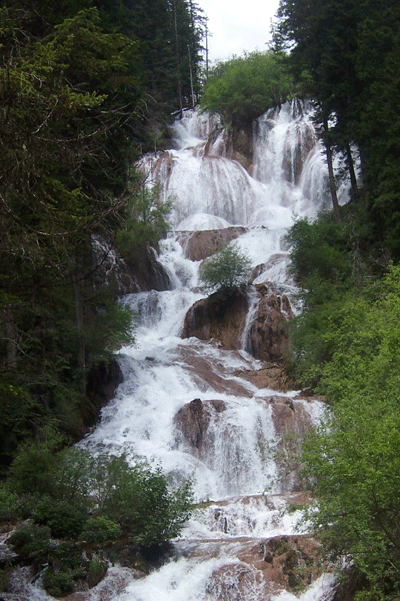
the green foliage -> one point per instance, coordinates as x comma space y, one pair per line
326, 262
100, 529
30, 538
76, 495
9, 503
58, 584
97, 571
350, 52
142, 503
226, 270
65, 519
33, 469
147, 221
320, 251
351, 462
243, 88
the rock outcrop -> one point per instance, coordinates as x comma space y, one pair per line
193, 420
267, 338
219, 317
140, 273
224, 318
204, 243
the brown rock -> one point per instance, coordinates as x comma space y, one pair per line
194, 419
202, 244
267, 338
219, 318
223, 318
271, 375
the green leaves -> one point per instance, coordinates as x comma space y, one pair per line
243, 88
226, 270
73, 493
352, 461
147, 221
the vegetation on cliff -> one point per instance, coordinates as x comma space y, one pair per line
226, 270
82, 90
93, 506
345, 346
243, 88
345, 343
84, 87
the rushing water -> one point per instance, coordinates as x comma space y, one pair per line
163, 372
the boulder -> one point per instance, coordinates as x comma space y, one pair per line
223, 318
202, 244
218, 317
193, 420
267, 338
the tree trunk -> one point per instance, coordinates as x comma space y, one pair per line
352, 172
332, 184
11, 346
79, 320
178, 62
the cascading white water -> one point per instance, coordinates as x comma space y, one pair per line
162, 372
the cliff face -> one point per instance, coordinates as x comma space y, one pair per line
218, 317
204, 243
225, 318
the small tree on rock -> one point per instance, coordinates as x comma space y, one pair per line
226, 270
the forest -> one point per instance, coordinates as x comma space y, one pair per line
86, 89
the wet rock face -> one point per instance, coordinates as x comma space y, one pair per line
193, 421
224, 319
141, 272
267, 338
217, 317
202, 244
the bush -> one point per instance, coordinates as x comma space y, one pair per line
65, 519
100, 529
226, 270
9, 503
142, 502
30, 538
243, 88
97, 571
147, 222
58, 584
131, 500
320, 251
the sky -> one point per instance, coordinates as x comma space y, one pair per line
237, 26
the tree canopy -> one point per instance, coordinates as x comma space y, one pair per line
349, 52
243, 88
83, 89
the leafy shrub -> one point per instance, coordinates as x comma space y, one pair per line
243, 88
9, 503
100, 529
58, 584
131, 500
97, 571
5, 580
142, 502
226, 270
30, 538
65, 519
147, 221
320, 251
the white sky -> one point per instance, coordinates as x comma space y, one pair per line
237, 26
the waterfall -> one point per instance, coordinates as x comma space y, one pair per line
217, 555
